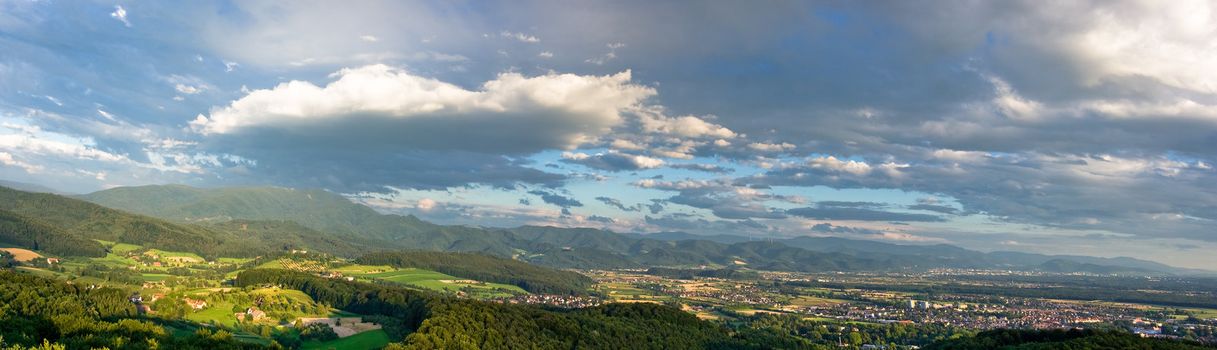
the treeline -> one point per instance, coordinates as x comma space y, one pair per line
1060, 339
532, 278
45, 313
436, 322
893, 335
705, 273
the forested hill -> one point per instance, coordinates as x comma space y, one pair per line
67, 226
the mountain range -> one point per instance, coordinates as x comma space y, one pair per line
255, 221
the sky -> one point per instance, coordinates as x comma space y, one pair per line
1080, 127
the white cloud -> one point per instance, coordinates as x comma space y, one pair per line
8, 159
425, 204
653, 121
832, 164
120, 14
369, 38
548, 111
771, 147
608, 56
519, 36
546, 54
187, 89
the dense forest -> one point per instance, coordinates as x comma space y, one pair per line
434, 322
1060, 339
30, 234
35, 310
532, 278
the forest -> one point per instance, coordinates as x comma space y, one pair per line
1060, 339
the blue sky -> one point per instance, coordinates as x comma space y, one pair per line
1079, 128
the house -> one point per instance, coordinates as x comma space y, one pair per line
253, 314
195, 303
52, 261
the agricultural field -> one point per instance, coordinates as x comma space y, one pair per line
441, 282
22, 255
375, 339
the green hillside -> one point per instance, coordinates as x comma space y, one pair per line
68, 226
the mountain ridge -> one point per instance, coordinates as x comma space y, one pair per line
567, 247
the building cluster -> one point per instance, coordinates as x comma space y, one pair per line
564, 301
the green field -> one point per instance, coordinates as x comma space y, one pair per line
435, 281
154, 277
363, 341
219, 313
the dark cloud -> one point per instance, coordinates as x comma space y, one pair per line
833, 213
722, 198
830, 228
557, 199
613, 161
935, 208
601, 219
613, 202
849, 204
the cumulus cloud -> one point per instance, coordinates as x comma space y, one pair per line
612, 161
512, 113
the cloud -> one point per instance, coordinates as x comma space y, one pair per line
369, 38
607, 56
830, 228
709, 168
935, 208
612, 161
613, 202
857, 214
771, 147
7, 159
389, 106
556, 199
521, 37
120, 14
425, 204
721, 197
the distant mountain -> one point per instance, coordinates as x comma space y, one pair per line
953, 256
67, 226
315, 209
334, 222
28, 187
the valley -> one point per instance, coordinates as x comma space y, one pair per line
301, 294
